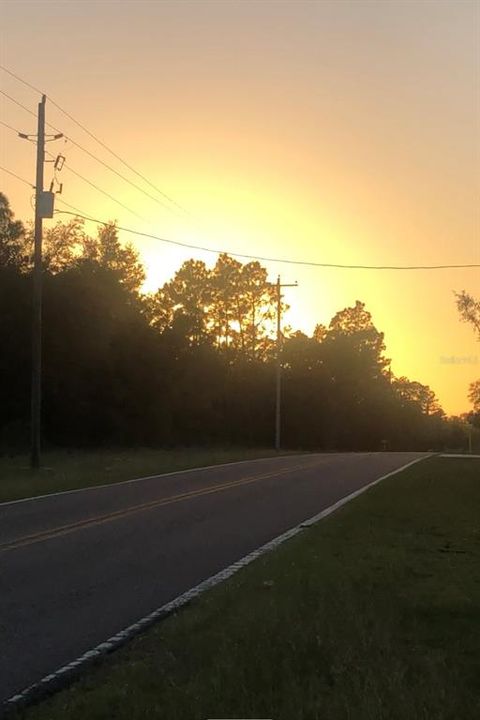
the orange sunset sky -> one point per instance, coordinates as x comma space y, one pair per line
341, 132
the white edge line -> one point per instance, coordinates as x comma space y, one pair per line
459, 455
62, 677
177, 472
149, 477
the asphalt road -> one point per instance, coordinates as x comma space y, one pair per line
77, 568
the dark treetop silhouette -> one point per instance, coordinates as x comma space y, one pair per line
192, 363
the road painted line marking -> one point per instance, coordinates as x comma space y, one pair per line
61, 530
62, 677
459, 455
173, 473
159, 476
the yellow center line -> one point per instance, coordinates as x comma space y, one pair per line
118, 514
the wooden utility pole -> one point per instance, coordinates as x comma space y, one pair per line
37, 294
44, 204
278, 393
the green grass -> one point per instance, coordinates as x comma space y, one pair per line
372, 614
64, 470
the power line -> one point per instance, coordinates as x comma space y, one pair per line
78, 213
119, 158
24, 107
99, 189
109, 167
287, 261
9, 127
17, 176
90, 154
9, 72
306, 263
14, 100
174, 242
94, 137
104, 192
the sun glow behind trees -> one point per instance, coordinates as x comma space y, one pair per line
193, 362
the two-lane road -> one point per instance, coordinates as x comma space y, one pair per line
76, 568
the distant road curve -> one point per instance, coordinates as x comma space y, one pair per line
78, 567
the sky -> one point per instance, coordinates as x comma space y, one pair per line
334, 132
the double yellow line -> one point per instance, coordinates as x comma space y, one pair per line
118, 514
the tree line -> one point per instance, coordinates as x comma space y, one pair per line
194, 362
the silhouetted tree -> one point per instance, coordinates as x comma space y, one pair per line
417, 394
193, 362
474, 395
62, 245
107, 250
12, 234
469, 309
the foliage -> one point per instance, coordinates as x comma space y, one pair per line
474, 395
469, 309
11, 236
230, 306
192, 363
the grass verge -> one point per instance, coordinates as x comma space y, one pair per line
68, 470
372, 614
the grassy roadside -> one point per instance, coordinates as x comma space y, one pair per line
374, 614
64, 470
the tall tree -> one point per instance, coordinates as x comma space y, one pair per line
107, 250
469, 309
185, 302
474, 395
226, 281
12, 236
255, 311
353, 326
62, 245
194, 362
417, 394
353, 351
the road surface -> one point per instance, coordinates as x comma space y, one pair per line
76, 568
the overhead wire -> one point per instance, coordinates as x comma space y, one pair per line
109, 167
78, 212
30, 112
9, 127
171, 200
17, 77
75, 172
288, 261
90, 154
97, 140
17, 176
120, 159
17, 102
104, 192
306, 263
99, 189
